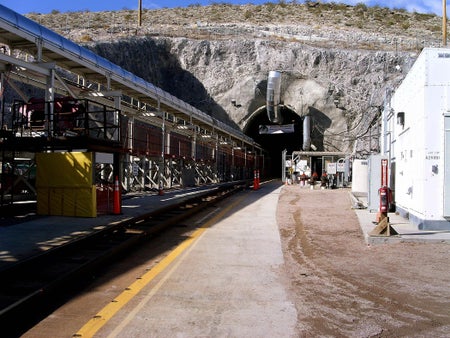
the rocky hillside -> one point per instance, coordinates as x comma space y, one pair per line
335, 59
330, 25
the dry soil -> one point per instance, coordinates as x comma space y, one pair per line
343, 287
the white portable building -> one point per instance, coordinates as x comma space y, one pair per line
416, 139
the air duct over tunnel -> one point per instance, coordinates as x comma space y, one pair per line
306, 133
274, 97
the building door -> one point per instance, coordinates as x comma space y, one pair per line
447, 167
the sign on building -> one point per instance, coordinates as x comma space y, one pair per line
331, 168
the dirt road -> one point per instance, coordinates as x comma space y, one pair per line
343, 287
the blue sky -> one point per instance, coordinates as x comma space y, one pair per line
46, 6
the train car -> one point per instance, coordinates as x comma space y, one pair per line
225, 164
203, 151
146, 139
179, 145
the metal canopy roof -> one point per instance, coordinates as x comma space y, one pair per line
21, 33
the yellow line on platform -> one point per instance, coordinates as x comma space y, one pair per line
104, 315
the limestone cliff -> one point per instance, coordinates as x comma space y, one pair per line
228, 79
337, 61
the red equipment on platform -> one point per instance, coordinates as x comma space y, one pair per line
116, 209
385, 199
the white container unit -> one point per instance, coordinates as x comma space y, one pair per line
360, 178
418, 125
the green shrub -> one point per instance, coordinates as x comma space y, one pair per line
270, 6
282, 3
86, 38
406, 25
361, 7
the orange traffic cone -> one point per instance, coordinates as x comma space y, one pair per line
257, 179
116, 197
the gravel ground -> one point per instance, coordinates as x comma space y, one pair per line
343, 287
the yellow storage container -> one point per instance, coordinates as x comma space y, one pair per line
65, 184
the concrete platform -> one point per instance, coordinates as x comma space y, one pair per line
29, 238
22, 240
407, 232
228, 283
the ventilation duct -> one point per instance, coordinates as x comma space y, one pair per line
306, 133
273, 97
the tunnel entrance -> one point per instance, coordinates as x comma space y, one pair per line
274, 144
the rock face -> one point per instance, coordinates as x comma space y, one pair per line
337, 61
342, 90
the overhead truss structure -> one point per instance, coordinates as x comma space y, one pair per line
155, 138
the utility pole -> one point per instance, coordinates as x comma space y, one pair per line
444, 23
140, 13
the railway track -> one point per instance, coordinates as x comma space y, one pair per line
31, 289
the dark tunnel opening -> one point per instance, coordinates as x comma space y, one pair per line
274, 144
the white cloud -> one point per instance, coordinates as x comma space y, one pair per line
150, 5
421, 6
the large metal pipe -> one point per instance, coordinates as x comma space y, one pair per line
273, 97
306, 132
